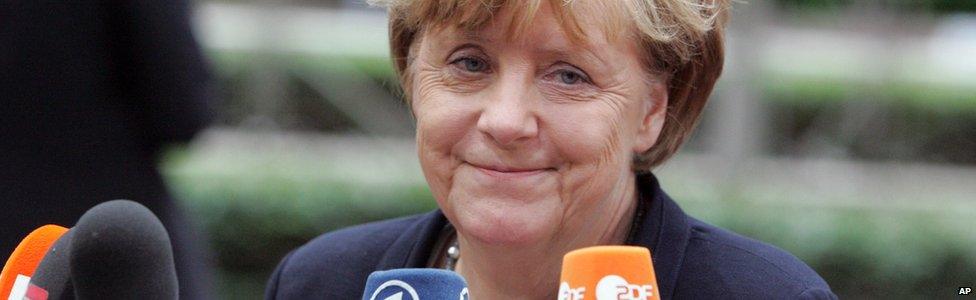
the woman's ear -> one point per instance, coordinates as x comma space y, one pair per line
653, 115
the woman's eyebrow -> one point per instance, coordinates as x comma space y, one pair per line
569, 51
457, 37
577, 52
475, 36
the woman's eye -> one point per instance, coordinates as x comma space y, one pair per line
472, 64
568, 77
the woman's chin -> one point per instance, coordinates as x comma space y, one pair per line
507, 226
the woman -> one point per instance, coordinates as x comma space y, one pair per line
538, 123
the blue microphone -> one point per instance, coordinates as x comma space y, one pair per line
415, 284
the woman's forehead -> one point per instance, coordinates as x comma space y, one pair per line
511, 20
542, 42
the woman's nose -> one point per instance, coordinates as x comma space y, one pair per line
507, 117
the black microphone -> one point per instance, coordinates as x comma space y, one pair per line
120, 250
52, 274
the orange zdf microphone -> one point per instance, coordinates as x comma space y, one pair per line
608, 273
15, 278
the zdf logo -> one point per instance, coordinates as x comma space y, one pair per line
567, 293
614, 287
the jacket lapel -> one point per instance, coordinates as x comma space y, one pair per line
665, 231
412, 249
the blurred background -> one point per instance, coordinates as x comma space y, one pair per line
842, 131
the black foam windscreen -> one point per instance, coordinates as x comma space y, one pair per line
53, 274
120, 250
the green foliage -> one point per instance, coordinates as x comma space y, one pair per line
255, 209
862, 253
904, 94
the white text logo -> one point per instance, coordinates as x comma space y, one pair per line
613, 287
567, 293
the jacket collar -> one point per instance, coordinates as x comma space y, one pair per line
413, 248
664, 229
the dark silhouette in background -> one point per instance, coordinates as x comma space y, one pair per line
90, 92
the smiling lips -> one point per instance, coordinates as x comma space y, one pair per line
504, 172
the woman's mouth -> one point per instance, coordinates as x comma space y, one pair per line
508, 172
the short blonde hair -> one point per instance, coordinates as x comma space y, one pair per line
682, 39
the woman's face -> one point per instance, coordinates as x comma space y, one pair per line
523, 139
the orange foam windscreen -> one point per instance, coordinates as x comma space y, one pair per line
28, 255
608, 273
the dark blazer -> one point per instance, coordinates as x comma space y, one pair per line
692, 260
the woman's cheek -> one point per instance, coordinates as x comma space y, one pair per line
586, 133
589, 140
432, 102
443, 120
588, 121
